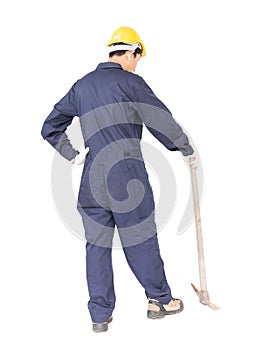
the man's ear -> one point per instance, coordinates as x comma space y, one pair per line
129, 54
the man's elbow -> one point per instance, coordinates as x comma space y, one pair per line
44, 132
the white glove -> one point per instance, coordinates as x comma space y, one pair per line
192, 160
80, 158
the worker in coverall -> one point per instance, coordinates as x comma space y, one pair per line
112, 104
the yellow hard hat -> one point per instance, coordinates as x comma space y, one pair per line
127, 35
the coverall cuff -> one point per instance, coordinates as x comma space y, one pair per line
187, 152
71, 155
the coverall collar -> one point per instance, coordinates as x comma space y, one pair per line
106, 65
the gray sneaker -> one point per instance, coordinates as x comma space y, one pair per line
101, 327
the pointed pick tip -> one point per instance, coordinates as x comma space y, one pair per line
194, 287
213, 307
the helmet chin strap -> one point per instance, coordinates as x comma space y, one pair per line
125, 47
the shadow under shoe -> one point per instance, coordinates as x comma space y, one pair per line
158, 310
101, 327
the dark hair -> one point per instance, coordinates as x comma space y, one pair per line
138, 51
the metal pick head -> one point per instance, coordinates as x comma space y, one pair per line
204, 299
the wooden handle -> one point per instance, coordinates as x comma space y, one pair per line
200, 249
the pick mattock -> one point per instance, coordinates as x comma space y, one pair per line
202, 293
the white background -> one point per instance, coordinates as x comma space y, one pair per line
200, 62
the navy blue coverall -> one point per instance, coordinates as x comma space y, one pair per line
112, 105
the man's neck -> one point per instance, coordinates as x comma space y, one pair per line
117, 59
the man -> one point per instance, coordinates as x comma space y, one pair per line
113, 103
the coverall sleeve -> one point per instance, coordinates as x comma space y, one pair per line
159, 120
56, 123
